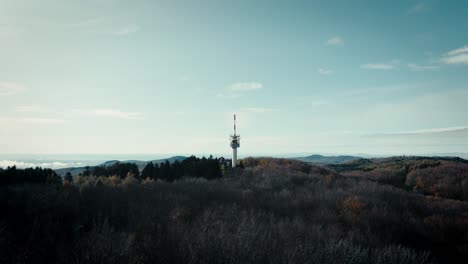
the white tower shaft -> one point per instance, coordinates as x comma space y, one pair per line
234, 157
235, 143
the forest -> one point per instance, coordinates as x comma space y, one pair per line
400, 210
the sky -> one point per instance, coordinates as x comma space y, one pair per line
149, 76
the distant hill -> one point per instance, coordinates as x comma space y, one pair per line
438, 176
140, 163
319, 159
396, 161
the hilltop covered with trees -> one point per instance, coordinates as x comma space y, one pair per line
12, 175
271, 211
438, 176
191, 167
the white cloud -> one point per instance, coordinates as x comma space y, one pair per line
324, 71
458, 51
31, 109
41, 121
378, 66
246, 86
335, 41
115, 113
456, 56
438, 130
127, 30
370, 91
109, 113
457, 59
426, 131
235, 90
416, 67
416, 8
26, 164
7, 88
381, 66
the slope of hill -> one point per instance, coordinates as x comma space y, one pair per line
320, 159
439, 176
140, 163
396, 161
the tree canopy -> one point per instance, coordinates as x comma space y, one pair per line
12, 175
209, 168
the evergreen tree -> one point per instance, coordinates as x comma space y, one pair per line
148, 171
156, 172
87, 171
68, 177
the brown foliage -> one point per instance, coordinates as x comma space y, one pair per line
273, 211
354, 205
449, 180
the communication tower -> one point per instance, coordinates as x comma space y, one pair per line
235, 143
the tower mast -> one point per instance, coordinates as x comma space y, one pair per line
235, 143
234, 124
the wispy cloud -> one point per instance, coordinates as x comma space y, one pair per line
456, 56
417, 8
84, 23
228, 95
425, 131
7, 88
324, 71
127, 30
458, 51
378, 66
362, 93
235, 90
115, 113
41, 121
434, 130
98, 25
246, 86
108, 113
337, 40
416, 67
31, 109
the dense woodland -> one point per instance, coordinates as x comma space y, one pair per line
11, 175
271, 211
191, 167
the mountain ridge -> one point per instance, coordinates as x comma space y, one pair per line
322, 159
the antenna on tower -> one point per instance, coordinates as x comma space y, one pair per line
234, 124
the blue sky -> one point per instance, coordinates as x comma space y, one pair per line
341, 77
